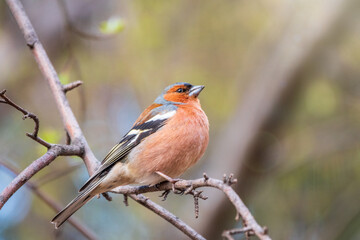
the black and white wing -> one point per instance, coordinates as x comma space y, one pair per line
152, 119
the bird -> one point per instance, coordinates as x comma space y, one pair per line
168, 137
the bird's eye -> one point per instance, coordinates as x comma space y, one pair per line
180, 90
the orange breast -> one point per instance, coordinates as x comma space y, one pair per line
174, 148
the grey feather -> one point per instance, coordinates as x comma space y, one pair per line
77, 203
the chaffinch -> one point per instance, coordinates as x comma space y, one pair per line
170, 136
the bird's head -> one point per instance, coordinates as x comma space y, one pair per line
180, 93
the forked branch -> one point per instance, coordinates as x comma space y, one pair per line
34, 135
69, 121
223, 185
88, 233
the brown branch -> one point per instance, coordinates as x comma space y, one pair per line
223, 185
168, 216
88, 233
53, 152
71, 86
48, 71
27, 114
227, 234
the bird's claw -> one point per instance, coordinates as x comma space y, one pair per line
173, 181
165, 194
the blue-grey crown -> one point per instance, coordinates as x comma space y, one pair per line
178, 83
160, 99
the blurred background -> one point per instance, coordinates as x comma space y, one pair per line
282, 96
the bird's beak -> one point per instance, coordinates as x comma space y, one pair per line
195, 90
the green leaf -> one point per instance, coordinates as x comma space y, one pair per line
112, 26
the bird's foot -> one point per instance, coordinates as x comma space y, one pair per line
173, 181
157, 185
164, 195
107, 196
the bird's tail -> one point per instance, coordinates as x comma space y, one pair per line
84, 196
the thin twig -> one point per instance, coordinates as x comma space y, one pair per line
27, 114
71, 86
227, 234
168, 216
224, 186
88, 233
48, 71
53, 152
